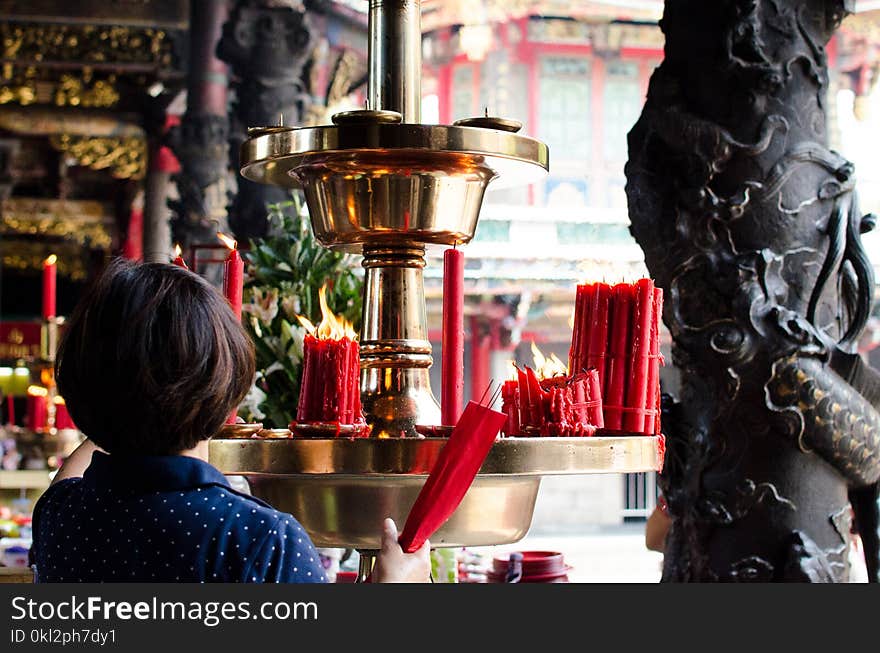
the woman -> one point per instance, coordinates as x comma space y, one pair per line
152, 362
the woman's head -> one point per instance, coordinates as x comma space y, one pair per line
153, 360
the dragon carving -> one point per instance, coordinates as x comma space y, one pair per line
751, 224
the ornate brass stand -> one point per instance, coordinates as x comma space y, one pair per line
378, 182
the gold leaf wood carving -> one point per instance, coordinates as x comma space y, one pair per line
126, 158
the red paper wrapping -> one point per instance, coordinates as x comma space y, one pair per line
637, 383
452, 349
616, 373
598, 334
452, 474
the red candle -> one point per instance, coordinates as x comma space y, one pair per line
537, 398
637, 385
62, 416
452, 367
330, 385
178, 258
49, 286
577, 321
616, 373
652, 417
594, 413
598, 335
10, 410
233, 287
233, 277
510, 407
582, 321
37, 411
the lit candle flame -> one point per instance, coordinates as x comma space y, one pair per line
177, 250
330, 327
307, 323
51, 259
545, 367
512, 374
227, 240
37, 391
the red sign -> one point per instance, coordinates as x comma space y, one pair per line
20, 340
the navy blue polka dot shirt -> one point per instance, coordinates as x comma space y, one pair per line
164, 519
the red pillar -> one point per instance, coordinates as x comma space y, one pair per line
481, 345
133, 247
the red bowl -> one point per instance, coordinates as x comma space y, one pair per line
346, 576
534, 564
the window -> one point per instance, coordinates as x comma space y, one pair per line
493, 231
622, 104
563, 117
462, 92
577, 233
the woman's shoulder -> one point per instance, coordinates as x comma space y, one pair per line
265, 517
57, 492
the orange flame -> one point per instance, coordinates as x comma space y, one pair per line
51, 259
227, 240
330, 327
177, 250
546, 367
37, 391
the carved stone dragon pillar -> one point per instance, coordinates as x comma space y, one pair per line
752, 227
267, 44
200, 141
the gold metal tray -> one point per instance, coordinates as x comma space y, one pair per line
341, 489
391, 456
269, 157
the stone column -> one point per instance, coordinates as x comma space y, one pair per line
201, 141
752, 227
266, 43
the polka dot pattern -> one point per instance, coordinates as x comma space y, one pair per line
164, 519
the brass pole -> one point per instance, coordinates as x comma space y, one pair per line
394, 53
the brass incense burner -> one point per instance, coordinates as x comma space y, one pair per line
380, 183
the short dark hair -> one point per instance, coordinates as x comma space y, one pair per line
153, 360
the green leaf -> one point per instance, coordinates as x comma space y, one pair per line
290, 260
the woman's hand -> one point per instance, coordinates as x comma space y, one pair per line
395, 566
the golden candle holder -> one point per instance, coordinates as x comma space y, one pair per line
379, 183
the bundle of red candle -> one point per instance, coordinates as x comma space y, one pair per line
37, 408
330, 389
616, 333
555, 406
